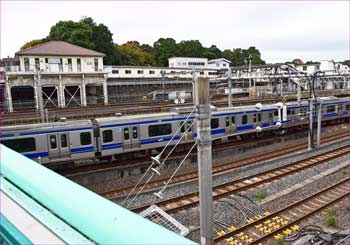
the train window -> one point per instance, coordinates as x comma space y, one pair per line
126, 134
254, 118
189, 125
182, 124
135, 133
259, 117
214, 123
288, 112
347, 107
233, 120
85, 138
20, 145
275, 113
159, 129
107, 136
270, 115
227, 120
330, 108
53, 141
244, 119
63, 139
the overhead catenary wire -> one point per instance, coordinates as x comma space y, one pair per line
153, 162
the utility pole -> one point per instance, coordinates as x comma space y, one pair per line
163, 84
229, 88
311, 128
250, 81
204, 160
39, 95
319, 123
193, 84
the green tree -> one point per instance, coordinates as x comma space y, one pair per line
212, 52
132, 54
32, 43
190, 48
163, 49
86, 33
346, 62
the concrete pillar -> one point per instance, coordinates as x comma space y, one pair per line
83, 93
311, 128
319, 123
105, 92
204, 154
8, 96
61, 97
229, 88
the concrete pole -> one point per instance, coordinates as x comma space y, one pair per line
61, 96
193, 84
250, 81
105, 92
40, 96
204, 160
319, 124
298, 91
9, 96
281, 88
311, 128
229, 88
83, 92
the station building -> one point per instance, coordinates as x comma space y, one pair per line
66, 75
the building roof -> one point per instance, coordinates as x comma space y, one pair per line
188, 58
218, 60
59, 48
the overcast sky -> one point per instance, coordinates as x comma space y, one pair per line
281, 31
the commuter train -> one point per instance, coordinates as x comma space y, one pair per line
110, 137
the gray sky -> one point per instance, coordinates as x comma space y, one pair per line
281, 31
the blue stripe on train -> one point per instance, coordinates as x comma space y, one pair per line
82, 149
37, 154
55, 131
159, 139
112, 146
245, 127
330, 114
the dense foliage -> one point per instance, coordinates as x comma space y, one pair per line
86, 33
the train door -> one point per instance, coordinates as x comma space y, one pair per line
58, 145
228, 129
131, 137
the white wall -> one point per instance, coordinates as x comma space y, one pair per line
187, 62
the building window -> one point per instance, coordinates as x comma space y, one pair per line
139, 71
159, 129
201, 73
20, 145
107, 136
127, 71
96, 64
37, 63
85, 138
214, 123
60, 65
115, 71
304, 68
70, 67
26, 64
151, 72
224, 65
78, 65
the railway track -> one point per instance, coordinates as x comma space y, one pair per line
223, 167
174, 205
284, 221
135, 107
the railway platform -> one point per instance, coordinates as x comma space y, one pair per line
42, 207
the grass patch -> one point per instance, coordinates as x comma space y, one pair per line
280, 241
260, 195
331, 220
